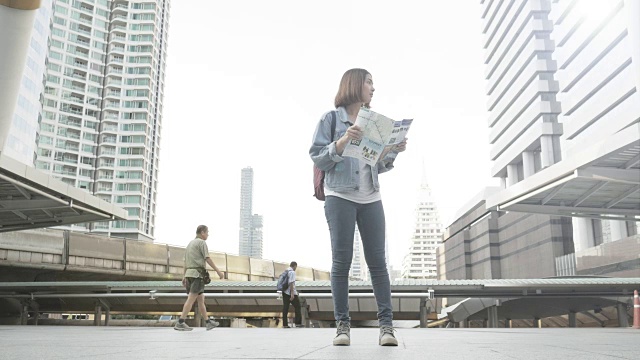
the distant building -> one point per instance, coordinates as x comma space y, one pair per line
250, 224
420, 261
358, 265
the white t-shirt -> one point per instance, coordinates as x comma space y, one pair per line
292, 279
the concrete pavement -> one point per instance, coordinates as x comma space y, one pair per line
78, 342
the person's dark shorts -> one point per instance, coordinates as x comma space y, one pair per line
195, 286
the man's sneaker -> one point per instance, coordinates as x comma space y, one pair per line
343, 334
387, 338
182, 327
211, 324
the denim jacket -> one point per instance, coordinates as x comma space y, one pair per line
341, 173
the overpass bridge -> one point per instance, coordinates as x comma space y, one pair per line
49, 271
493, 300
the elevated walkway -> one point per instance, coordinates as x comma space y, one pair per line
411, 299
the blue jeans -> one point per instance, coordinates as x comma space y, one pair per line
342, 216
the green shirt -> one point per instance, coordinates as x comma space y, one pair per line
194, 257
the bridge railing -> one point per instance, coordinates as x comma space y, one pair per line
57, 250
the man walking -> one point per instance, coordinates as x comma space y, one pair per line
196, 257
290, 296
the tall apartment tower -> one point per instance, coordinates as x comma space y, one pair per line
250, 224
103, 103
420, 262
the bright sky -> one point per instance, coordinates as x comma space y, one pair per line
247, 82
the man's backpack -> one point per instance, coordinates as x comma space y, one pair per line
283, 281
318, 175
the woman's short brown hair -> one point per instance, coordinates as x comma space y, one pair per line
350, 90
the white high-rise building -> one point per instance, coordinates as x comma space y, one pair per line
358, 266
563, 79
102, 105
420, 262
250, 224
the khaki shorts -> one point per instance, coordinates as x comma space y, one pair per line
195, 286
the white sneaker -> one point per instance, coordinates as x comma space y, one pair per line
343, 334
387, 338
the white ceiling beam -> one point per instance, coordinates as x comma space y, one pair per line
590, 192
624, 195
552, 194
632, 162
22, 191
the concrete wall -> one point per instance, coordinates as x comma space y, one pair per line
46, 254
619, 258
497, 245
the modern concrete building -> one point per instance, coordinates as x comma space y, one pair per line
250, 224
420, 261
102, 106
564, 117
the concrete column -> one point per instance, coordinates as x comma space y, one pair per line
547, 153
572, 319
304, 311
17, 19
196, 315
623, 318
465, 323
424, 313
24, 314
107, 316
618, 229
528, 163
508, 323
97, 317
503, 182
512, 174
582, 234
537, 323
493, 316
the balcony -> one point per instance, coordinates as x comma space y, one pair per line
110, 128
114, 82
69, 160
71, 110
70, 122
117, 48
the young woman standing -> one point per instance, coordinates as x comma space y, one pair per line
353, 197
